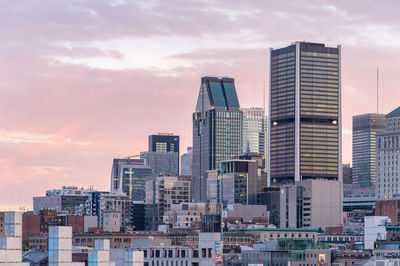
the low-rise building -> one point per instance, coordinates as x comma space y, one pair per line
266, 234
187, 215
374, 229
206, 253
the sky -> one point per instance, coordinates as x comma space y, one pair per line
86, 81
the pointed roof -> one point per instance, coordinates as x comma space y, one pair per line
395, 112
217, 93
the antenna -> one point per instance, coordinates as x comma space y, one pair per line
377, 90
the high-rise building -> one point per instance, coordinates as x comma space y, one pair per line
217, 130
162, 192
129, 176
186, 162
253, 130
365, 128
388, 158
305, 113
165, 142
162, 163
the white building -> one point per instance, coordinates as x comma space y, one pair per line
387, 158
100, 256
111, 221
374, 229
11, 242
60, 246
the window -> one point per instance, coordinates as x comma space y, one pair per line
203, 253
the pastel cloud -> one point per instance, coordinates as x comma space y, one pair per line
83, 82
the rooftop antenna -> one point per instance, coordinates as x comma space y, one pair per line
377, 90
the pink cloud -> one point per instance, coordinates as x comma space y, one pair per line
50, 108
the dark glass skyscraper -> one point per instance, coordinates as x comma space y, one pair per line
305, 113
217, 130
365, 128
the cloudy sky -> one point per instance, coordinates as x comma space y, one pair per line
84, 81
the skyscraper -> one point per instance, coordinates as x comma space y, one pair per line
253, 130
365, 128
305, 113
129, 176
217, 129
387, 158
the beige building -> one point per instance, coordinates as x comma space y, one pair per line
111, 221
311, 203
266, 234
185, 214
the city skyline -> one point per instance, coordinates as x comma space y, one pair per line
73, 99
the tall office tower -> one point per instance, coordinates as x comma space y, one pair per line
365, 128
186, 162
253, 130
305, 113
165, 142
217, 130
129, 176
388, 158
162, 163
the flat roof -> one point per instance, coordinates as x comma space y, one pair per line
303, 229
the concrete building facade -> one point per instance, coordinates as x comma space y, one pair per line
387, 158
311, 203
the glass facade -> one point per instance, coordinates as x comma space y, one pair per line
217, 130
129, 176
253, 130
365, 128
304, 113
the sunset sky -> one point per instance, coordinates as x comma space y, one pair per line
86, 81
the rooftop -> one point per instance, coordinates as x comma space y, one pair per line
395, 112
303, 229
